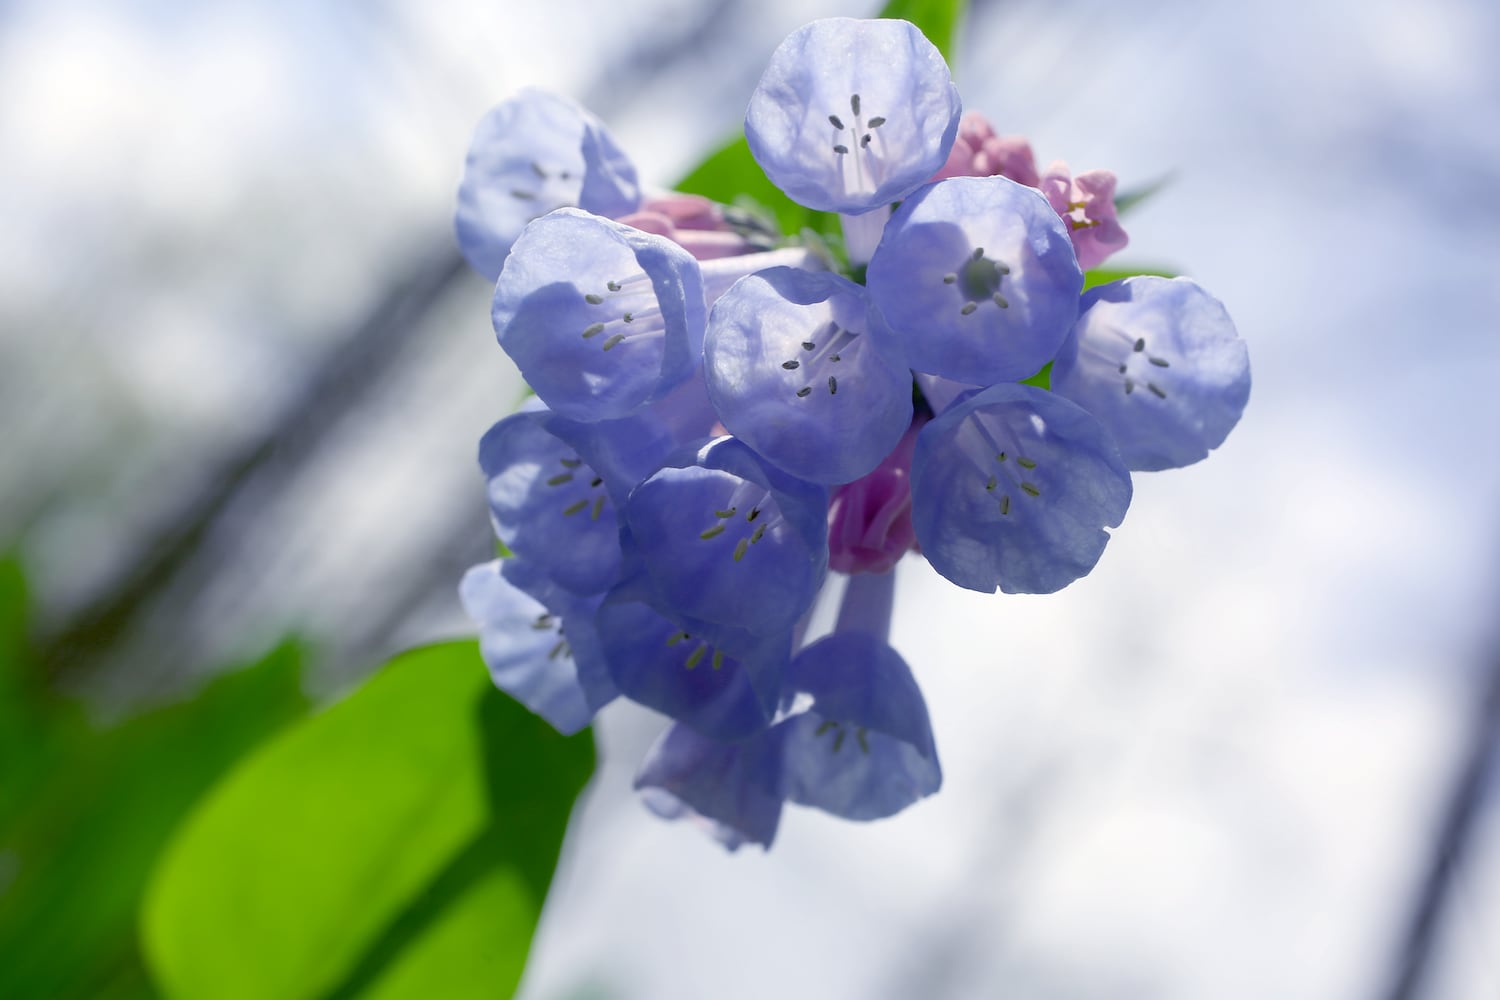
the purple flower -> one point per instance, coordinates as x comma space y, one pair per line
979, 152
1087, 204
869, 520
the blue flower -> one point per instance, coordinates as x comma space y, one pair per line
602, 319
1012, 487
853, 115
734, 787
539, 649
863, 749
533, 153
727, 539
1159, 363
978, 279
660, 558
725, 687
794, 371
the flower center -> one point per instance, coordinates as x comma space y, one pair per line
696, 656
574, 475
835, 340
853, 150
978, 279
761, 515
634, 301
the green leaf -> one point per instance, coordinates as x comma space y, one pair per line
1104, 275
83, 841
1128, 201
399, 844
938, 19
1042, 379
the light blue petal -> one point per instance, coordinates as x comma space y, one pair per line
1159, 363
1012, 487
864, 750
548, 504
978, 279
532, 153
522, 641
829, 86
793, 371
602, 319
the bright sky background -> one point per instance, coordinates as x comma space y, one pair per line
1206, 771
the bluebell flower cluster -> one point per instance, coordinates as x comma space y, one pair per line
724, 431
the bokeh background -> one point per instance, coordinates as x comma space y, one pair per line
243, 373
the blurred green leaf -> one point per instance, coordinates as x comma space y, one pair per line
95, 808
938, 19
399, 844
1131, 199
1104, 275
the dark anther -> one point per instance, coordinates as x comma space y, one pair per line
836, 121
1140, 344
841, 148
523, 195
854, 103
802, 392
877, 121
1160, 362
1155, 391
833, 385
808, 345
791, 366
593, 299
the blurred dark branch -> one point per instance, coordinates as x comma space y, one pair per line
357, 362
361, 358
1450, 846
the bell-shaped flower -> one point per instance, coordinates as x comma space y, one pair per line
1012, 487
726, 690
734, 787
979, 152
549, 506
1087, 204
852, 115
541, 650
532, 153
602, 319
864, 749
728, 539
978, 279
869, 520
1159, 363
794, 371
